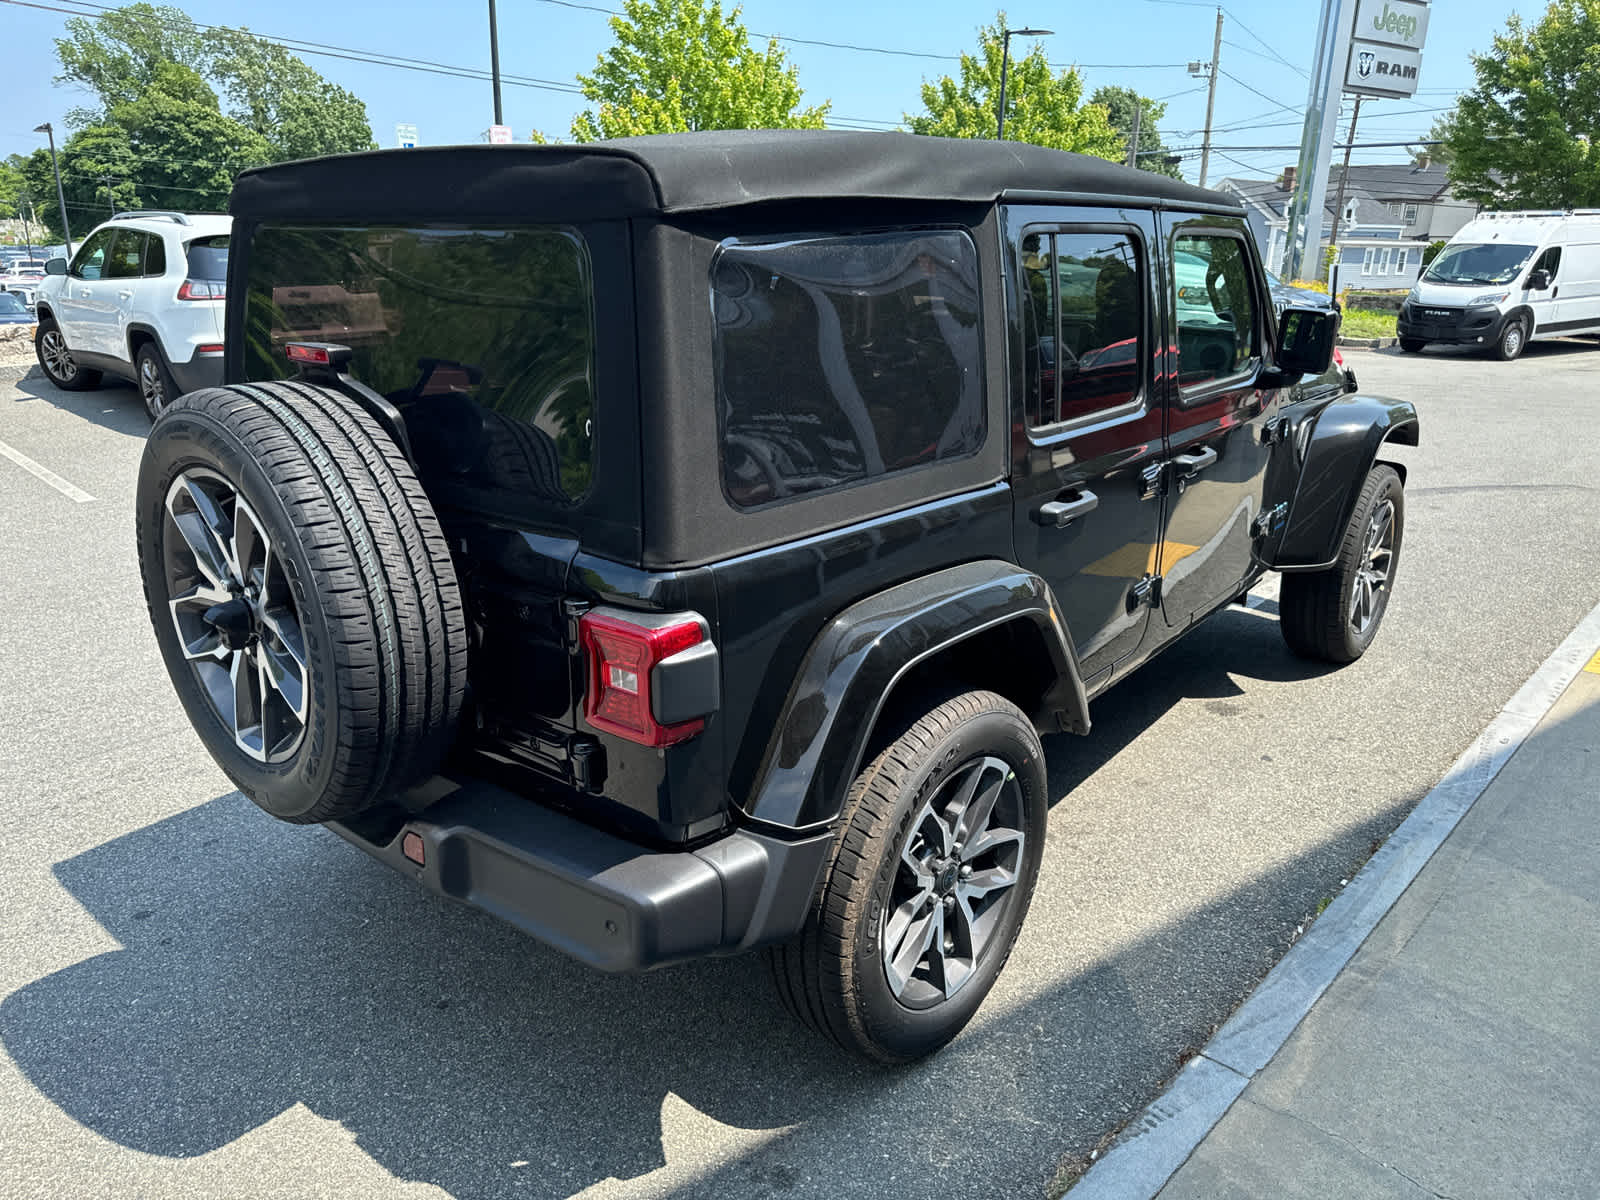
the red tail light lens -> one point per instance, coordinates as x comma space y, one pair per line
621, 657
300, 352
202, 289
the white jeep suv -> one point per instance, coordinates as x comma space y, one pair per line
141, 299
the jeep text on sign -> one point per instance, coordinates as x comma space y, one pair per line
1392, 23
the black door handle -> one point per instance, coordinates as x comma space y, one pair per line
1057, 513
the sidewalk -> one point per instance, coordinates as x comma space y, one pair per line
1458, 1053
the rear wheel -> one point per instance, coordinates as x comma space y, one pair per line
57, 362
302, 594
931, 879
1334, 614
156, 388
1412, 345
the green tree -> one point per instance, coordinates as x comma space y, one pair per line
115, 56
1439, 133
1121, 104
119, 55
97, 169
1528, 134
1042, 106
13, 186
279, 97
681, 65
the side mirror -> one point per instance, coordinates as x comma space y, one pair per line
1538, 281
55, 266
1306, 337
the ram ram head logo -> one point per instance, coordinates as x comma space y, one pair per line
1364, 61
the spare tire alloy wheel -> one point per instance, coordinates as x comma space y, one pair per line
960, 863
236, 616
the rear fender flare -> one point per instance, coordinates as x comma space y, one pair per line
1337, 449
826, 724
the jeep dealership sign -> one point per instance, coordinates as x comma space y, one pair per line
1386, 48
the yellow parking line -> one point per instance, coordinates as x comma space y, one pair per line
1593, 666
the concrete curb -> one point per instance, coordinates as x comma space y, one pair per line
1367, 343
1153, 1147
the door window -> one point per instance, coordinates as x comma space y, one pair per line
125, 259
1083, 321
91, 258
1214, 308
1548, 261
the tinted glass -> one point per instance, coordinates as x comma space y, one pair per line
91, 255
125, 259
155, 256
1084, 292
1214, 309
483, 337
208, 258
842, 359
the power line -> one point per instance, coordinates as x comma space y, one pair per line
1247, 87
1265, 45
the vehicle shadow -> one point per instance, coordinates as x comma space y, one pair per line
264, 965
114, 405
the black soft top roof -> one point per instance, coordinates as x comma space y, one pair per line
682, 173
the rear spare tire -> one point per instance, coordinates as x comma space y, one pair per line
302, 594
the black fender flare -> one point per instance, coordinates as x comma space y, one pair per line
1336, 448
852, 666
41, 310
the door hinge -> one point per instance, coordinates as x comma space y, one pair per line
1274, 431
1154, 480
572, 611
1269, 520
1146, 591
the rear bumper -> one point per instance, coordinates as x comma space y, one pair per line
607, 902
1462, 327
202, 371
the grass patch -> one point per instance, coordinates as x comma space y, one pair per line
1368, 323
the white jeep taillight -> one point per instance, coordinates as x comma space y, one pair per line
652, 680
202, 289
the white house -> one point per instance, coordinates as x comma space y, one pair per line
1391, 213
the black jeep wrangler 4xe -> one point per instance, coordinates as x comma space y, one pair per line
678, 545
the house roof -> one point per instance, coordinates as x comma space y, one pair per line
1371, 187
681, 173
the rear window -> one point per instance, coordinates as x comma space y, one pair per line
208, 258
484, 338
844, 359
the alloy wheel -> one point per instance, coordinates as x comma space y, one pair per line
1369, 590
953, 884
57, 358
151, 388
237, 621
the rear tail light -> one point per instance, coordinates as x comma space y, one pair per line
202, 289
209, 348
650, 680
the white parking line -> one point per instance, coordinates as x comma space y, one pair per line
45, 473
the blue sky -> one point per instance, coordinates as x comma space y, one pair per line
1266, 48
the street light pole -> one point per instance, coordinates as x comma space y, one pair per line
61, 197
494, 62
1005, 62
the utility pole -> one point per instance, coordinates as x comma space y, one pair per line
111, 199
1211, 100
1338, 199
1133, 142
66, 226
494, 62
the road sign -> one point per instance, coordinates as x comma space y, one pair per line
1386, 48
500, 135
405, 137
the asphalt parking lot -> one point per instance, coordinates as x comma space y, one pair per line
196, 1000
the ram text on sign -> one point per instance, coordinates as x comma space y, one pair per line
1392, 23
1382, 70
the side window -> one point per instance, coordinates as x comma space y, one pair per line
1548, 261
843, 359
91, 257
1214, 307
1082, 322
155, 255
125, 259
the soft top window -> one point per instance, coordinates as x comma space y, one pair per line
483, 338
844, 359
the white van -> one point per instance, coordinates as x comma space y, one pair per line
1506, 278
